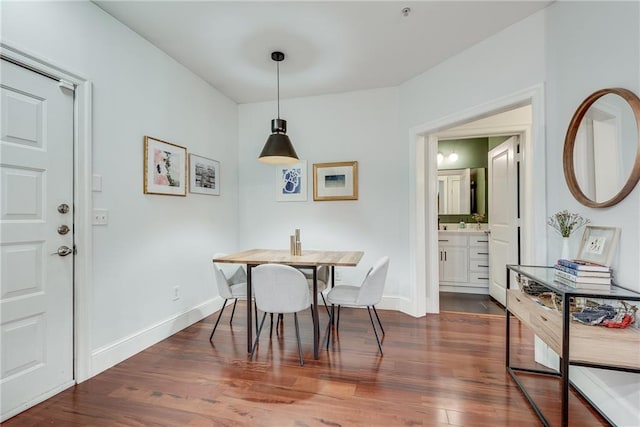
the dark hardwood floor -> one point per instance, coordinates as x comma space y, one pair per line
469, 303
439, 370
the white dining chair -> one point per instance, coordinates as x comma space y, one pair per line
323, 281
279, 289
368, 294
231, 281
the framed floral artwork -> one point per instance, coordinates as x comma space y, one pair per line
291, 182
335, 181
165, 168
204, 175
598, 245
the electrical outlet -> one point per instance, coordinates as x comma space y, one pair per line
176, 293
100, 217
338, 275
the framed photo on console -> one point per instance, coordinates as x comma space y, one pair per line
598, 244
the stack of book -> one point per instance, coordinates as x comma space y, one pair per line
583, 275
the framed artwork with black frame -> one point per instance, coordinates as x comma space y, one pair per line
204, 175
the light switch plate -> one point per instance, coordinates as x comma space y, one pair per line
96, 183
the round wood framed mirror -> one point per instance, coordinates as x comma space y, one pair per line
601, 156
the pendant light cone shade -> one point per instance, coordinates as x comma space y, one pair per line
278, 149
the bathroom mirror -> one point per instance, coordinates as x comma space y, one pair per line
601, 157
462, 191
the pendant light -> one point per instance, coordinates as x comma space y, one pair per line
278, 149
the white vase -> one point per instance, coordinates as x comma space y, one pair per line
565, 248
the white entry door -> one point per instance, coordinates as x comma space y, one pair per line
503, 185
36, 292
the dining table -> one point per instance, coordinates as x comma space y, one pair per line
308, 259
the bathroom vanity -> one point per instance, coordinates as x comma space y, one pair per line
464, 260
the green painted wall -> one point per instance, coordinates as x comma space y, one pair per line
472, 153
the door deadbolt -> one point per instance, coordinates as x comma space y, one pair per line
63, 229
63, 251
63, 208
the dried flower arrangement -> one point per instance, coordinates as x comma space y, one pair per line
565, 222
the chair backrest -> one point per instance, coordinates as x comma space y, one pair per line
322, 273
221, 280
373, 284
279, 288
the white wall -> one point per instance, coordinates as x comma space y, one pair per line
590, 46
602, 51
361, 126
152, 243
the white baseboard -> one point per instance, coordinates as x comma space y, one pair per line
465, 289
398, 304
114, 353
620, 408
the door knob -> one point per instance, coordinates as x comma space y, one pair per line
63, 208
63, 251
63, 229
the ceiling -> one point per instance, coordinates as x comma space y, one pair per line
330, 47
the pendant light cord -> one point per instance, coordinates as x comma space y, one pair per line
278, 85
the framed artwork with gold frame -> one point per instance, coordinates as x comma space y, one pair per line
335, 181
165, 168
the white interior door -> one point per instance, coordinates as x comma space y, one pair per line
36, 292
503, 182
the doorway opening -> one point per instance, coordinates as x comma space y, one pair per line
482, 121
479, 211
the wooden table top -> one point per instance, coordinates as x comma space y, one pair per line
308, 258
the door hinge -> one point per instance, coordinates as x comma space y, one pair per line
517, 221
67, 85
518, 157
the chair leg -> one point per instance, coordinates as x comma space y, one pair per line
280, 319
255, 314
295, 316
233, 311
271, 326
224, 304
325, 303
378, 317
338, 321
255, 343
374, 330
330, 324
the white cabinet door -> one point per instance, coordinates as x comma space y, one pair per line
454, 264
36, 290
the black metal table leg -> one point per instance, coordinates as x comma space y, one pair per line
316, 320
249, 311
564, 361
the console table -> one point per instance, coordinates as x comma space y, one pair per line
575, 343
